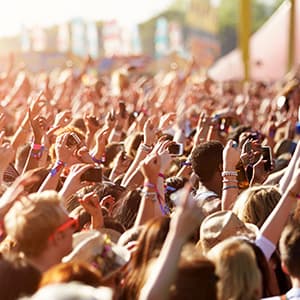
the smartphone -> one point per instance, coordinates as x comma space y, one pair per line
248, 147
176, 149
267, 156
122, 108
73, 139
92, 175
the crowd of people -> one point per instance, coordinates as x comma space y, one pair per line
134, 185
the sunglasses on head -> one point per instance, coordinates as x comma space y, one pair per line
70, 223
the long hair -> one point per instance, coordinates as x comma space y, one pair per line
150, 243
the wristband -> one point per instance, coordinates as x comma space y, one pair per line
150, 195
37, 146
97, 161
230, 187
169, 188
229, 173
57, 166
161, 175
150, 185
186, 163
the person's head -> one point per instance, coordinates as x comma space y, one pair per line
196, 278
111, 151
236, 267
125, 210
17, 278
207, 160
72, 291
235, 134
289, 246
72, 271
148, 247
221, 225
151, 240
39, 225
255, 204
264, 268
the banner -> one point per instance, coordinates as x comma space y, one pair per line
63, 38
39, 39
111, 38
92, 39
161, 37
25, 39
78, 38
136, 40
175, 37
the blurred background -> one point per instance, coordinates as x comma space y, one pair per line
156, 33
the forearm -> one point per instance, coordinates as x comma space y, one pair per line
21, 134
134, 166
89, 139
97, 221
230, 190
149, 207
34, 156
276, 221
285, 180
51, 181
165, 270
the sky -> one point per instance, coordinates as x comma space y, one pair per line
15, 13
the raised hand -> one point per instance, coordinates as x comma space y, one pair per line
90, 202
188, 214
166, 120
231, 156
63, 118
149, 132
62, 150
37, 103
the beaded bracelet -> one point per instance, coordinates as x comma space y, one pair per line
150, 195
164, 209
229, 181
146, 148
229, 173
57, 166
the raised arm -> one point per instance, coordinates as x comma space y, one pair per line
186, 218
274, 224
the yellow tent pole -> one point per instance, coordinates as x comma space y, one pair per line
291, 51
244, 35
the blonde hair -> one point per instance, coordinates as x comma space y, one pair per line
256, 203
32, 219
240, 278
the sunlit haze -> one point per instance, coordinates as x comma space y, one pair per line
15, 13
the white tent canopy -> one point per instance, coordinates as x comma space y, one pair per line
268, 50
